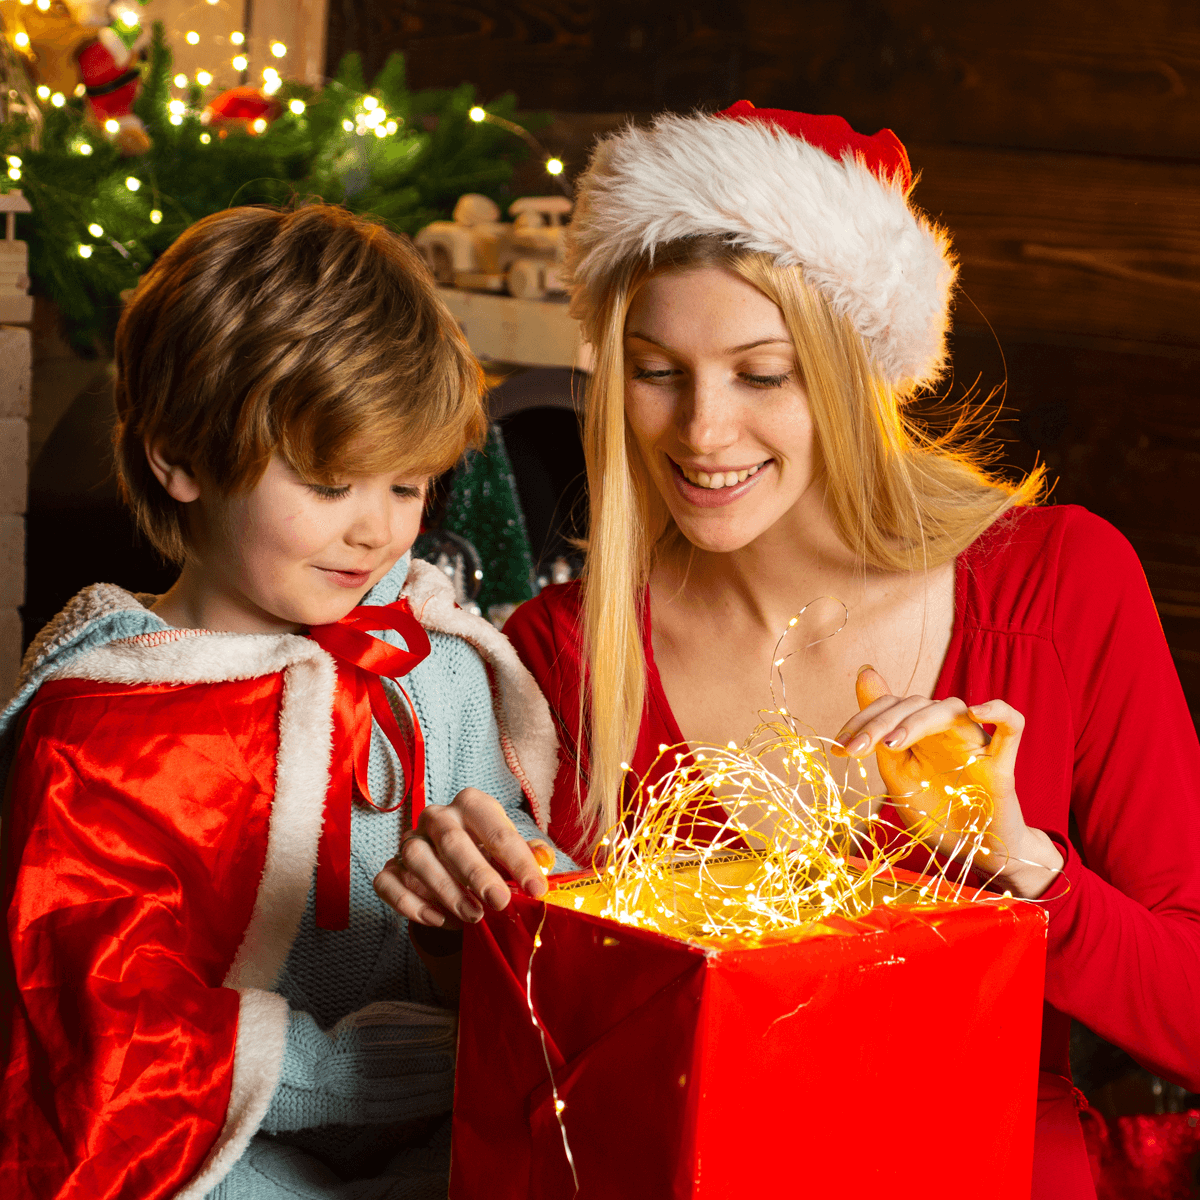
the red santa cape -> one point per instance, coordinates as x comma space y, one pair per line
154, 884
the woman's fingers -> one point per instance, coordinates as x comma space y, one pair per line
488, 828
877, 722
1009, 725
394, 885
933, 717
427, 864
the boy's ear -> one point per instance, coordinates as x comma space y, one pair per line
180, 484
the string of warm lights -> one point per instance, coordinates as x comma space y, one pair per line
738, 845
553, 165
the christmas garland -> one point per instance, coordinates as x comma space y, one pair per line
100, 215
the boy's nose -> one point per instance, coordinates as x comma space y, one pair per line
372, 526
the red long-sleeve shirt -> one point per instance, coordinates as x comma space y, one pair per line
1053, 615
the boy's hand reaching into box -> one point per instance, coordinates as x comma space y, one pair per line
446, 869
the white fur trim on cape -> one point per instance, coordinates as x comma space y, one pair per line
876, 260
257, 1059
527, 733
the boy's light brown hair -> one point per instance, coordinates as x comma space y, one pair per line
313, 333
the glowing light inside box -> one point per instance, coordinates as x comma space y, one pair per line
21, 39
192, 37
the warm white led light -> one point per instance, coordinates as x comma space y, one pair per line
96, 230
278, 49
21, 39
85, 148
192, 37
43, 92
297, 106
203, 78
240, 62
237, 38
129, 18
58, 99
85, 251
477, 113
175, 119
13, 160
205, 138
258, 125
554, 166
348, 126
112, 125
271, 85
180, 80
176, 106
132, 182
155, 216
14, 172
369, 103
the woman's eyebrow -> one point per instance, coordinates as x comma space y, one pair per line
768, 341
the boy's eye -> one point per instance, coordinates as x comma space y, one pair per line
328, 493
767, 381
407, 491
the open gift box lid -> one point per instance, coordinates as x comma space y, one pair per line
891, 1054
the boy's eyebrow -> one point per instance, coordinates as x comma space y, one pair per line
767, 341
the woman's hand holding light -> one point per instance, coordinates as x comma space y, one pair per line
443, 874
937, 742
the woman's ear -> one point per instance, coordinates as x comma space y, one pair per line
180, 484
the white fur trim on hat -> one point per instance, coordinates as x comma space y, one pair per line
876, 260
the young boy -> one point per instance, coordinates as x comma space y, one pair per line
205, 996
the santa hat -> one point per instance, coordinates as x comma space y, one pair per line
805, 189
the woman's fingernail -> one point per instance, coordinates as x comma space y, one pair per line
430, 916
864, 667
894, 739
496, 895
859, 744
470, 911
535, 885
544, 855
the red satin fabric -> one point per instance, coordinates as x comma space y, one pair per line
361, 661
131, 861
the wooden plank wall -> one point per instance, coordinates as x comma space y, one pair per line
1058, 141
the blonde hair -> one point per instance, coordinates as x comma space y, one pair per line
315, 334
901, 499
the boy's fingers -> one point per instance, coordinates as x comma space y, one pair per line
487, 822
434, 865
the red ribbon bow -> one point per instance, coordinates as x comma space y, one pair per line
361, 661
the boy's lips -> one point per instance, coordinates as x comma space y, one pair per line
708, 496
346, 579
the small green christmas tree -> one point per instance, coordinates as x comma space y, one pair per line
483, 507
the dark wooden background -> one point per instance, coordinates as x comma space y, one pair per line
1059, 142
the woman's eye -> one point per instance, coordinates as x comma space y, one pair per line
767, 381
646, 373
329, 493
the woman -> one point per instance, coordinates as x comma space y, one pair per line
763, 302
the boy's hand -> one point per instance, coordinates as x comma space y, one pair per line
443, 873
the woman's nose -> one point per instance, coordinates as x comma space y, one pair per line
707, 416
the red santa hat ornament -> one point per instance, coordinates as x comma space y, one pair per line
806, 189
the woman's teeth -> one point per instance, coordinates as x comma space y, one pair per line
720, 480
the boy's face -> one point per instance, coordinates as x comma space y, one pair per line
288, 553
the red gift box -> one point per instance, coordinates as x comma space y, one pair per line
889, 1055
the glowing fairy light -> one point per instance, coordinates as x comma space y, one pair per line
180, 80
271, 85
14, 173
84, 148
192, 37
297, 106
131, 20
240, 62
132, 182
391, 127
58, 99
477, 114
96, 230
176, 118
348, 126
13, 160
278, 49
112, 125
203, 78
176, 106
369, 103
554, 166
43, 92
237, 38
205, 138
155, 216
258, 124
21, 40
85, 251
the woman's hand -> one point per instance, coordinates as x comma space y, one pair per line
443, 875
937, 742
